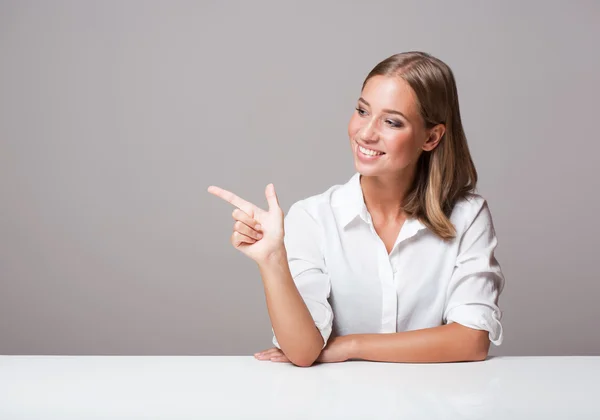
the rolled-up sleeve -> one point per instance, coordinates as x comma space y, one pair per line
303, 243
477, 280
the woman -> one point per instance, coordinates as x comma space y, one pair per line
396, 265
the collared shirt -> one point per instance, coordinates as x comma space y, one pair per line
351, 285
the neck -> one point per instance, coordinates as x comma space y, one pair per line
384, 194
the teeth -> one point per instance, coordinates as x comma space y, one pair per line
369, 152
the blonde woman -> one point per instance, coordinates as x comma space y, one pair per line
397, 264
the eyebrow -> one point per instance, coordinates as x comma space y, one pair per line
389, 111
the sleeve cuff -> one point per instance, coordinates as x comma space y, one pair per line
479, 317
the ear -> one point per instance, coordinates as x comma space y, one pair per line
435, 135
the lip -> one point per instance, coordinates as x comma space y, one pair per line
375, 150
365, 158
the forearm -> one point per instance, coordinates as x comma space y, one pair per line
446, 343
294, 327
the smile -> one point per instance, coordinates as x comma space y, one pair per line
369, 152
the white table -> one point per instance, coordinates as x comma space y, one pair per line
214, 387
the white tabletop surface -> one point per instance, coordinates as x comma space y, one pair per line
241, 387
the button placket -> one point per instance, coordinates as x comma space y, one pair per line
389, 297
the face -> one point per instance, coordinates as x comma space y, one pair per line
387, 122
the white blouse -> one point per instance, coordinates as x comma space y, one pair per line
352, 286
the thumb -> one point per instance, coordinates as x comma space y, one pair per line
271, 197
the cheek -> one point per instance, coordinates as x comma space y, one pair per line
402, 144
353, 126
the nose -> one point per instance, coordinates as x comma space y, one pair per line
368, 133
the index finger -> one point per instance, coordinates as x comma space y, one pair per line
230, 197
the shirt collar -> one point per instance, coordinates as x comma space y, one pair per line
351, 202
352, 205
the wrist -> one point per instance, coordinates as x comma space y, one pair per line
352, 346
275, 257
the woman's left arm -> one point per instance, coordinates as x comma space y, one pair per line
447, 343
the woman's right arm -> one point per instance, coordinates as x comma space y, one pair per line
293, 270
293, 325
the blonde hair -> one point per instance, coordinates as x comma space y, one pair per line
447, 173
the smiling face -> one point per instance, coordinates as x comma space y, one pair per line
387, 120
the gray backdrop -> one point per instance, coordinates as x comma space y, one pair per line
115, 116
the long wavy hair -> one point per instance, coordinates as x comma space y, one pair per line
447, 173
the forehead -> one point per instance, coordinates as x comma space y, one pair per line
390, 92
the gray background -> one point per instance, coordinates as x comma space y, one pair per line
116, 116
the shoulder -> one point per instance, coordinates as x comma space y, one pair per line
315, 206
308, 219
469, 209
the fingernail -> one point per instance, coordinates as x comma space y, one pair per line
258, 227
260, 235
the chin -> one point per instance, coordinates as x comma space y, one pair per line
366, 171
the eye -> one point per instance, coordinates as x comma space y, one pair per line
394, 123
360, 111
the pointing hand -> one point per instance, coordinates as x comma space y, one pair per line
256, 232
